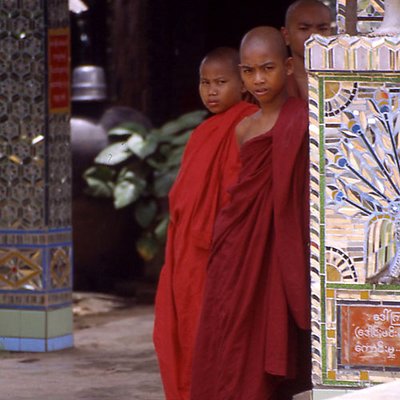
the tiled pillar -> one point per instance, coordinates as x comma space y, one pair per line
354, 98
35, 176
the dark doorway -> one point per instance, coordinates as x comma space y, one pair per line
152, 49
227, 21
192, 29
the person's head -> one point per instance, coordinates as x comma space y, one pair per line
304, 18
220, 85
264, 64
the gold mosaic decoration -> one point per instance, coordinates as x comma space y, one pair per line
355, 209
20, 269
60, 268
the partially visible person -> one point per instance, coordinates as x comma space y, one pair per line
256, 297
210, 165
303, 18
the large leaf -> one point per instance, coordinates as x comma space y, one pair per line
131, 176
125, 193
161, 229
101, 172
142, 147
184, 122
100, 181
192, 119
135, 143
182, 139
128, 189
127, 129
147, 247
165, 149
175, 157
158, 166
113, 154
145, 212
162, 184
98, 188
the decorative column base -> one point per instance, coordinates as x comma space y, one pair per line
36, 307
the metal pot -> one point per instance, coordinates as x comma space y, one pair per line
88, 83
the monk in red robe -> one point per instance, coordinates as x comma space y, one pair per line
303, 18
257, 287
210, 165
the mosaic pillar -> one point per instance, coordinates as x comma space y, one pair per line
354, 98
35, 176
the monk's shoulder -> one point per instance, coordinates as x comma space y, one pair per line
204, 127
242, 127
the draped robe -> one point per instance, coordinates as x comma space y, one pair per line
257, 287
210, 165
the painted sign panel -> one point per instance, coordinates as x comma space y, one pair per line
369, 336
59, 70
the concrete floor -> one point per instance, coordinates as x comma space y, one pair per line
113, 358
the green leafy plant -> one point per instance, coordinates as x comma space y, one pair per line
138, 169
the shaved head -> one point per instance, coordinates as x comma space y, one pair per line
304, 3
265, 36
225, 55
220, 84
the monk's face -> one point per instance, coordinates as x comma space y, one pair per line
220, 85
305, 20
264, 69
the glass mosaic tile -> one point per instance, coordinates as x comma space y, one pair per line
369, 15
351, 53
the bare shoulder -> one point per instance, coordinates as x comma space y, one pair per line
242, 128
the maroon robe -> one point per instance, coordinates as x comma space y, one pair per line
257, 287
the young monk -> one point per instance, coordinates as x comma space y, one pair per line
210, 165
303, 18
257, 291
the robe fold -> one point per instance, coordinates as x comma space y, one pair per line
210, 165
257, 287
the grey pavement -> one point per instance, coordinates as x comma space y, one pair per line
113, 358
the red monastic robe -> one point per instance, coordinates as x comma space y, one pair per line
210, 165
257, 287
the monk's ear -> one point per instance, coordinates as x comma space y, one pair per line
243, 89
289, 66
285, 35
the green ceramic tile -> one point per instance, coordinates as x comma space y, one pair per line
350, 286
322, 394
10, 323
59, 322
33, 324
